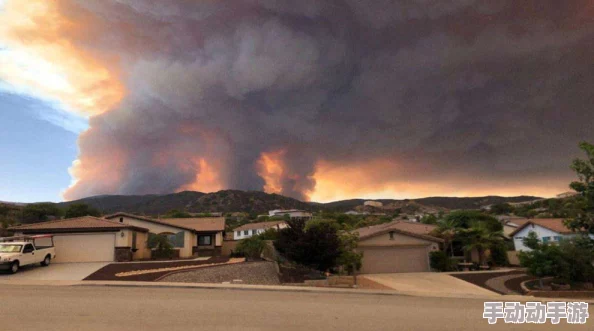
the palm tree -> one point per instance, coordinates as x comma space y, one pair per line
481, 238
447, 230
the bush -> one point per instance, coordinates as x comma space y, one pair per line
499, 254
163, 248
321, 245
570, 261
270, 234
251, 248
440, 261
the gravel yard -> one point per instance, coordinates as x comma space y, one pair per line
252, 273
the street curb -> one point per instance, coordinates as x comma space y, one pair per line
246, 288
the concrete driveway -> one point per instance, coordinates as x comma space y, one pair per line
55, 271
429, 284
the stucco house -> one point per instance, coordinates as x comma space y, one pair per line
395, 247
202, 236
293, 213
251, 229
91, 239
550, 230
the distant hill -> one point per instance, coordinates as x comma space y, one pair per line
260, 202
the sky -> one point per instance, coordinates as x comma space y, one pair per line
317, 100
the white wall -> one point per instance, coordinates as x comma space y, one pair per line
540, 232
250, 233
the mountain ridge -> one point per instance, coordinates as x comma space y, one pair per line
260, 202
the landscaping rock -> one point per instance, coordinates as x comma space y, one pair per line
248, 273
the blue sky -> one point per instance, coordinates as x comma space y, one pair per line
37, 145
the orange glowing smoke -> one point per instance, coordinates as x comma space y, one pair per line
207, 178
389, 180
270, 168
42, 57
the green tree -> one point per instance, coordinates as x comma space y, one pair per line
584, 220
569, 261
80, 209
480, 237
466, 218
38, 212
542, 259
447, 230
321, 244
429, 219
349, 259
174, 213
161, 244
502, 209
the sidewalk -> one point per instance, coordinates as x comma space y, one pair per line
492, 297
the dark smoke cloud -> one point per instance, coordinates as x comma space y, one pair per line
460, 88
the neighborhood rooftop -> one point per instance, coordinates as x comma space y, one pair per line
412, 228
78, 223
200, 224
260, 225
553, 224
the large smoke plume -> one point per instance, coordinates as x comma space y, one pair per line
249, 94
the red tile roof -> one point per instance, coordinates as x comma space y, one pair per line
89, 223
553, 224
146, 219
198, 224
412, 229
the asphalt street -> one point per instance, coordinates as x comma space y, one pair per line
123, 308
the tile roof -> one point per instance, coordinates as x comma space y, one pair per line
413, 229
79, 223
260, 225
517, 221
553, 224
199, 224
148, 219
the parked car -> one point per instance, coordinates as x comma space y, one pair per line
17, 252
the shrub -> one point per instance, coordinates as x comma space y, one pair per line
499, 254
163, 248
251, 248
440, 261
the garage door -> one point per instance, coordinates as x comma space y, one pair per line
85, 247
378, 260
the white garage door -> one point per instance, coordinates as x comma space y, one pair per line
378, 260
96, 247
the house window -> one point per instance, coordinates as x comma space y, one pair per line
121, 220
254, 231
238, 233
133, 240
546, 239
204, 240
391, 235
246, 232
558, 238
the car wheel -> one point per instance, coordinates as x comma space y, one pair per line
14, 267
46, 261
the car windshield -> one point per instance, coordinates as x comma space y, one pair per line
10, 248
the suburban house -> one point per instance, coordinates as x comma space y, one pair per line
91, 239
398, 246
200, 236
251, 229
550, 230
293, 213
